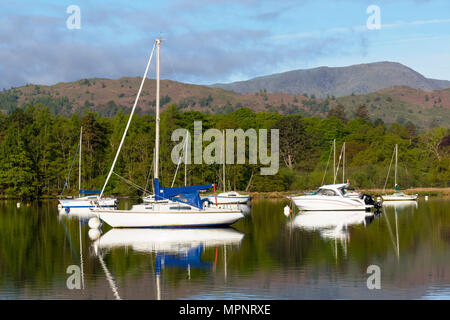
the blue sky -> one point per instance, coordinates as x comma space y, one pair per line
209, 41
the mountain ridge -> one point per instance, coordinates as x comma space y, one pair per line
107, 96
338, 81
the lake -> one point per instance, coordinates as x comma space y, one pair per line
264, 256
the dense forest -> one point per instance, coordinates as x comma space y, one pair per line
37, 149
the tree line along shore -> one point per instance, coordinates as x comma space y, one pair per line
37, 149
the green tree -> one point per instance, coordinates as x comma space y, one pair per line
362, 112
339, 112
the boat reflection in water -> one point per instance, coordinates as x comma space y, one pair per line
172, 247
84, 216
332, 224
167, 240
396, 208
400, 205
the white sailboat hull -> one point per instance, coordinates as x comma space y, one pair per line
158, 219
84, 204
394, 197
229, 197
226, 200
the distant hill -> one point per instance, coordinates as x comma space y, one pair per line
342, 81
106, 97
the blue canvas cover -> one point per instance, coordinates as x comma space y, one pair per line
88, 192
188, 194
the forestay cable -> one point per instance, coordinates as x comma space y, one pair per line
129, 121
326, 168
387, 178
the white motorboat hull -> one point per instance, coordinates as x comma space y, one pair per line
168, 240
158, 219
340, 204
399, 198
81, 205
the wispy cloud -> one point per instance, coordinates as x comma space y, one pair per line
360, 28
207, 41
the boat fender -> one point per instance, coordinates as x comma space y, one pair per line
287, 211
94, 234
94, 223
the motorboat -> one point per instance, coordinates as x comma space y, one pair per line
333, 197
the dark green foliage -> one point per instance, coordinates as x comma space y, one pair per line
164, 100
37, 147
339, 112
362, 112
292, 139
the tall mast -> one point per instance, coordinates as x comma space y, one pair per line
343, 165
185, 159
223, 159
79, 165
396, 158
158, 57
334, 161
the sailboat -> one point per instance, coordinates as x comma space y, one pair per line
173, 207
86, 198
397, 196
231, 197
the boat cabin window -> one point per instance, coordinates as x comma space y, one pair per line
326, 192
343, 191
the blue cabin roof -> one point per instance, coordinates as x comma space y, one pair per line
189, 194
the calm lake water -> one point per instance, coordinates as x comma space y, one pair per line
265, 256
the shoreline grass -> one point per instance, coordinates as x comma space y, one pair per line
443, 192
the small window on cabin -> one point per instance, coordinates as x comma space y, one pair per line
327, 192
